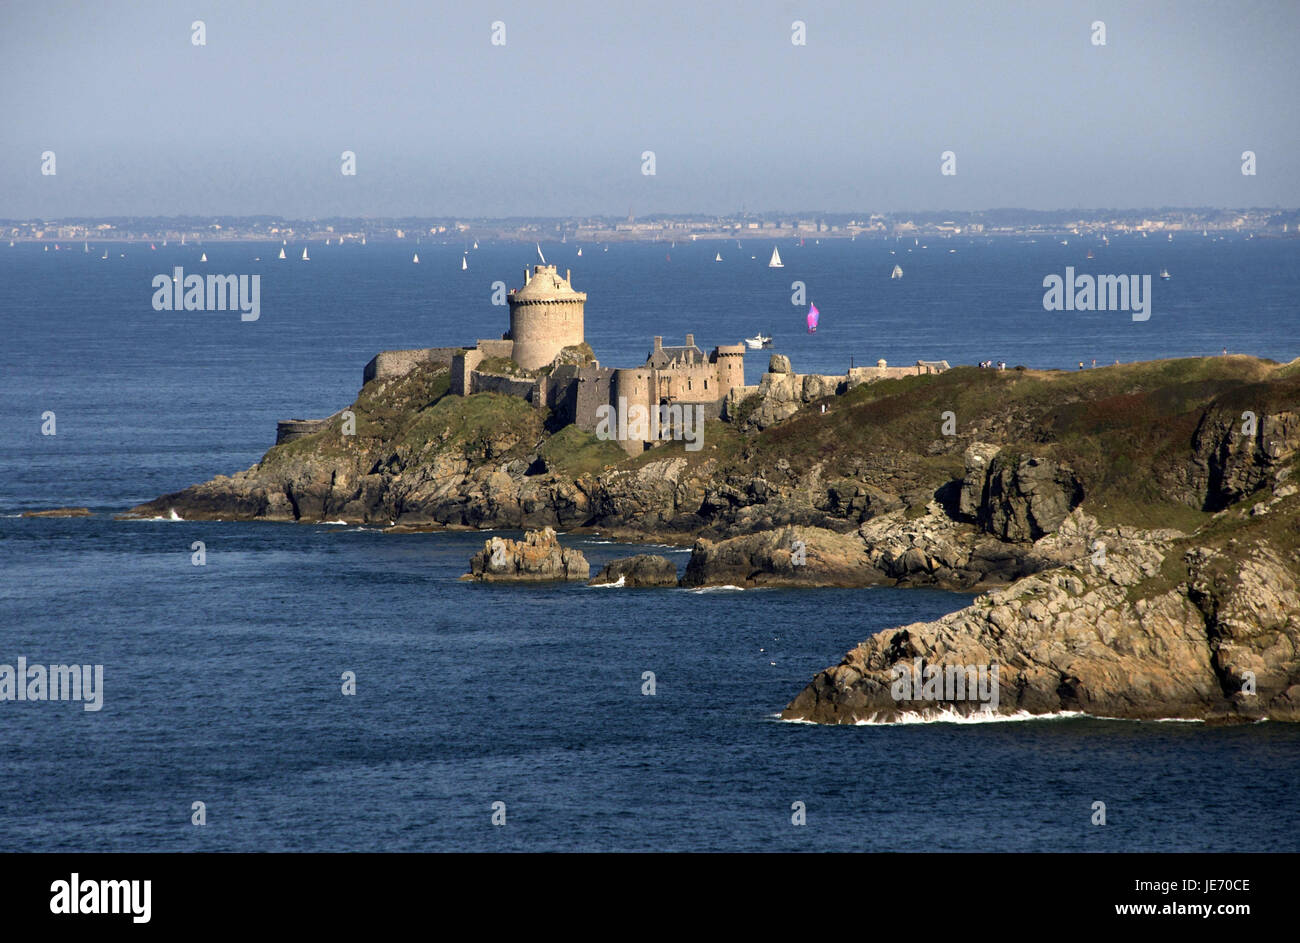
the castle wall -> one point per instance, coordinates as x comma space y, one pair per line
388, 364
497, 348
591, 390
286, 430
462, 370
541, 329
508, 386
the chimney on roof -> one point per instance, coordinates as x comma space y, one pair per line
690, 340
659, 342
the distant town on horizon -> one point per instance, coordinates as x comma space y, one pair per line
994, 222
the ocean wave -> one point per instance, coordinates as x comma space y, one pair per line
716, 589
171, 516
334, 523
617, 584
950, 716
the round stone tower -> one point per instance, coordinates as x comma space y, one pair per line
545, 317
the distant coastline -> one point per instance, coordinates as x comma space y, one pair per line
1244, 222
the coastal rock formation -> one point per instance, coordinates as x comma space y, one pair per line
891, 548
1234, 451
538, 557
1151, 628
790, 556
644, 569
1048, 472
1027, 497
59, 512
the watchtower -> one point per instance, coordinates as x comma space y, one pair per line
545, 316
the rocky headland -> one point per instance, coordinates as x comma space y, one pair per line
1134, 528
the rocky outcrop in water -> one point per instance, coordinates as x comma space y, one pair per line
59, 512
642, 570
790, 556
538, 557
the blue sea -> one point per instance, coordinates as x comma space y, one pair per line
222, 683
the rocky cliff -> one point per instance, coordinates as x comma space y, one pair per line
1138, 624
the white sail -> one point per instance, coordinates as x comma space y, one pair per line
464, 264
476, 246
282, 253
416, 258
579, 251
775, 261
85, 247
718, 257
897, 272
203, 257
105, 258
539, 253
304, 254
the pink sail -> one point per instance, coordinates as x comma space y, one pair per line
813, 314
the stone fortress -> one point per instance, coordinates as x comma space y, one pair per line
544, 359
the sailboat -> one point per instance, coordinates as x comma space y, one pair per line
897, 272
579, 251
813, 317
775, 261
85, 247
105, 258
539, 253
203, 257
1090, 255
282, 253
182, 239
718, 257
463, 263
476, 246
1164, 274
304, 254
416, 258
363, 240
11, 243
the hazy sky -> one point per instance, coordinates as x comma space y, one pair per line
554, 122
